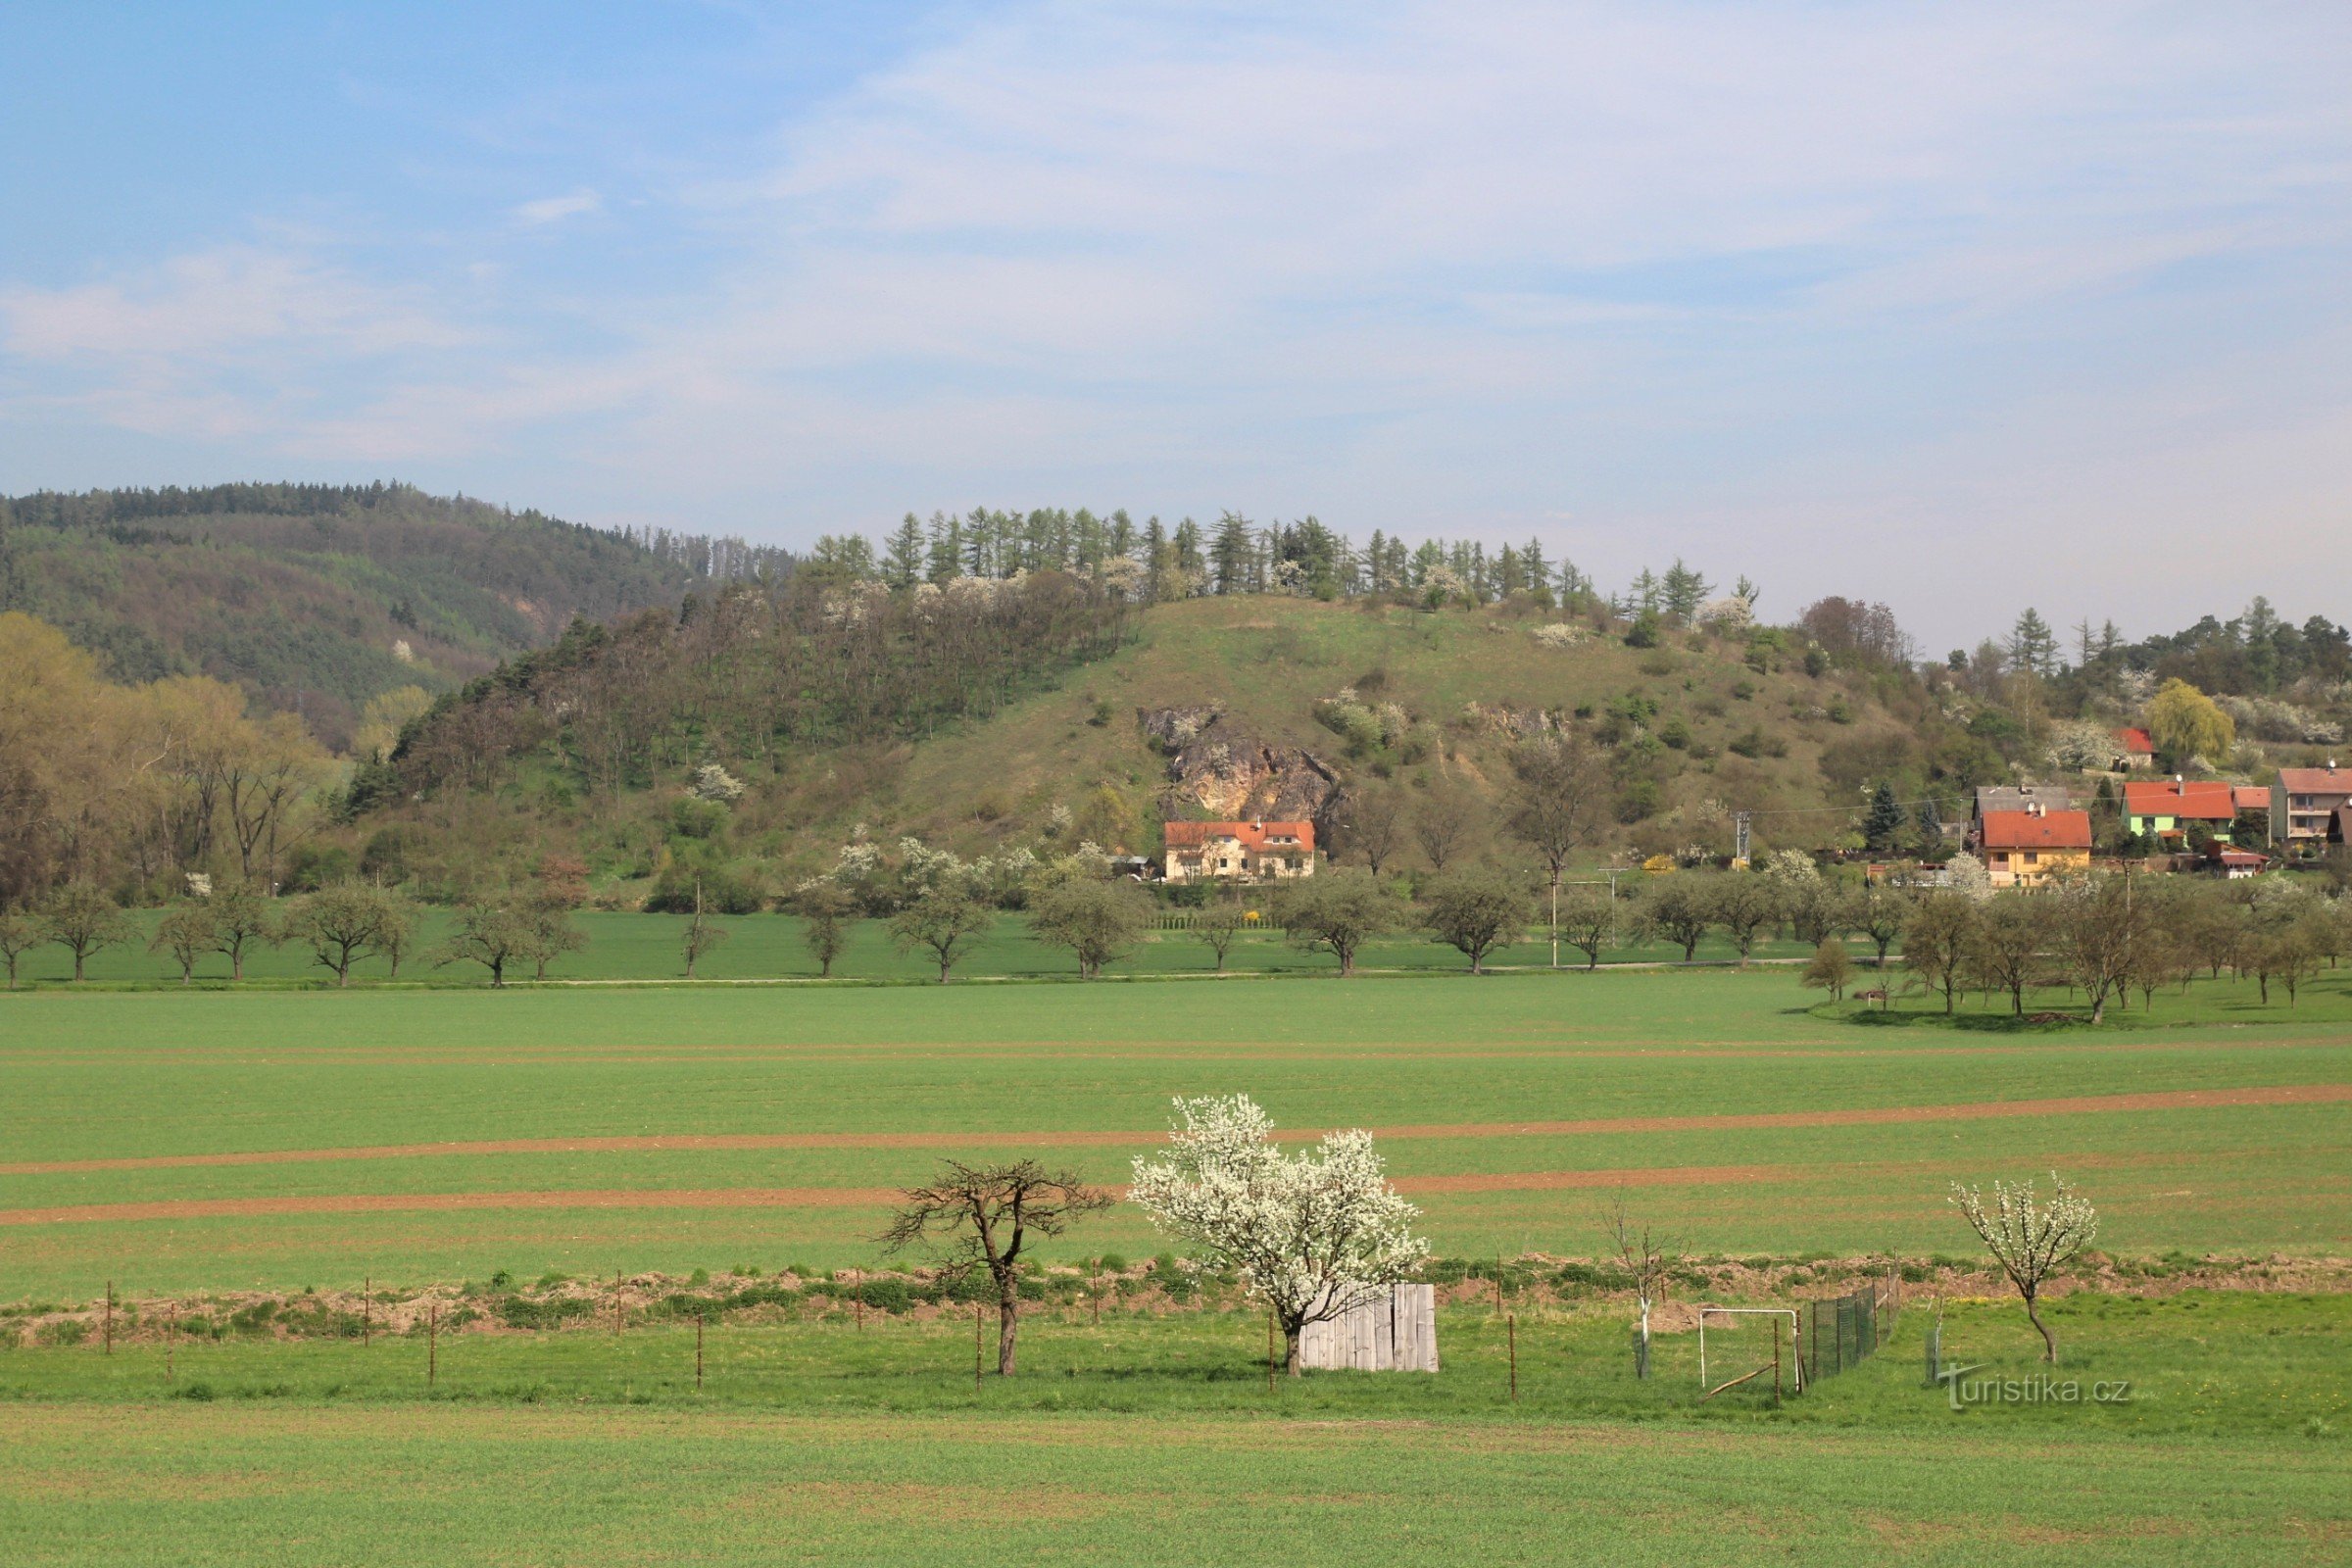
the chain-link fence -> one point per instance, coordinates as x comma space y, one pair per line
1841, 1331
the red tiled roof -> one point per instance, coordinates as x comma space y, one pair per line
2200, 800
2316, 780
2251, 798
2135, 742
1253, 836
2037, 830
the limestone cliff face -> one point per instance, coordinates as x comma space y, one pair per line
1217, 771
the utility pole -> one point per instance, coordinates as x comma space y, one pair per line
1739, 822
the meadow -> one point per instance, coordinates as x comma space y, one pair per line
176, 1141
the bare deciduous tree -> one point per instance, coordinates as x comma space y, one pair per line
1217, 926
20, 934
987, 1215
1375, 826
2006, 947
1936, 941
1646, 1259
1559, 798
1442, 825
699, 936
84, 921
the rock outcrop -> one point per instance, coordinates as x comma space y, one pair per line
1231, 776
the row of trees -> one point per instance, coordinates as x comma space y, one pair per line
2109, 936
340, 926
1235, 555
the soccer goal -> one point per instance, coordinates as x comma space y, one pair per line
1778, 1325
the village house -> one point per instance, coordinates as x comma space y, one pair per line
1240, 852
2312, 806
2133, 748
2164, 810
2024, 849
1993, 798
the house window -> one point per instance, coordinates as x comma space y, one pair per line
2033, 859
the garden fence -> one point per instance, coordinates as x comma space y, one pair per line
1840, 1330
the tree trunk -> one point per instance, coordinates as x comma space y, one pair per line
2049, 1340
1292, 1364
943, 971
1008, 1325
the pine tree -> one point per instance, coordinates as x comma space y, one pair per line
1681, 592
2032, 646
1233, 554
1884, 819
945, 559
903, 557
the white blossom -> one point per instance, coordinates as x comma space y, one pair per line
1312, 1235
712, 782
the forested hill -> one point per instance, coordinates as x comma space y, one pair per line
317, 598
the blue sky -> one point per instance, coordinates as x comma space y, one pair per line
1960, 306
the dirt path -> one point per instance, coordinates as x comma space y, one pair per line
1977, 1111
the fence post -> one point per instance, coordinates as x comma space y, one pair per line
617, 1303
976, 1352
1269, 1349
110, 1317
700, 1319
1776, 1363
1512, 1324
432, 1342
366, 1310
171, 1345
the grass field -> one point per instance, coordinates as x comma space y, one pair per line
766, 1126
182, 1141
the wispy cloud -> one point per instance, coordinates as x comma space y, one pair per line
556, 209
1687, 273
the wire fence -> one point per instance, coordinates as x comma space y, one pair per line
1839, 1332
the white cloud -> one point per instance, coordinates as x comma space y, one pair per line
218, 302
555, 208
1692, 275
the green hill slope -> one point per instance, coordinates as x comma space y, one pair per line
318, 596
1201, 708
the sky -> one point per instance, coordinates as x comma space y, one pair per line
1958, 307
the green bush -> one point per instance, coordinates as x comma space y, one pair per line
521, 1312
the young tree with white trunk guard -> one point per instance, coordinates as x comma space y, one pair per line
1313, 1235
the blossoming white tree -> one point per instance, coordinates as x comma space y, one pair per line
1312, 1235
2031, 1241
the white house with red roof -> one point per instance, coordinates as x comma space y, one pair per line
1239, 852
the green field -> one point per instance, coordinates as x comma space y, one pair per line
636, 1128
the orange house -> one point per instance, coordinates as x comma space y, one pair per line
2024, 849
1239, 852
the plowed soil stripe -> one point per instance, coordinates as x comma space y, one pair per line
1977, 1110
776, 1196
740, 1198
